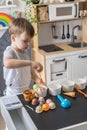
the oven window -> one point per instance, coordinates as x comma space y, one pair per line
63, 11
58, 67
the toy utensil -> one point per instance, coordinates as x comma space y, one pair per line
81, 92
65, 103
29, 107
54, 35
68, 34
41, 80
63, 35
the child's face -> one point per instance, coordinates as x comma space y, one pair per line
22, 41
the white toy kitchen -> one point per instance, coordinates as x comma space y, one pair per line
60, 44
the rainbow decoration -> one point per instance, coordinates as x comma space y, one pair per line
5, 19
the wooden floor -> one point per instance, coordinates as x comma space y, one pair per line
2, 123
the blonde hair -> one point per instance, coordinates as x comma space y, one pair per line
20, 25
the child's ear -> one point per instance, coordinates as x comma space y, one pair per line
13, 37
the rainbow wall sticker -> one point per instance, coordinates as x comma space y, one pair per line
5, 19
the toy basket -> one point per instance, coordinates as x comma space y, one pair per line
28, 94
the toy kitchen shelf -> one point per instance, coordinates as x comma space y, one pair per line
42, 11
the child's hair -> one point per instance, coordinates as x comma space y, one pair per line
20, 25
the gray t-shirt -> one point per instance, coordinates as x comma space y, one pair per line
17, 79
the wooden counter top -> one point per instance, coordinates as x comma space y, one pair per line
64, 46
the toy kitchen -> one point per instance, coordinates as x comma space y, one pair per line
60, 44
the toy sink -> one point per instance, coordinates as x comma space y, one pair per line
78, 44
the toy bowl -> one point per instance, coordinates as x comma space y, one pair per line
80, 83
54, 89
68, 85
41, 91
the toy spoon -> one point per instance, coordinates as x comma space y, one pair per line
65, 103
81, 92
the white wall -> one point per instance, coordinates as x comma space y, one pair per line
20, 5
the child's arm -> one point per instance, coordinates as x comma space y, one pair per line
15, 63
9, 62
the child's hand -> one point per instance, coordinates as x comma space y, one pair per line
40, 81
37, 66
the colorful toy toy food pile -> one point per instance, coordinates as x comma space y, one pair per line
36, 97
45, 105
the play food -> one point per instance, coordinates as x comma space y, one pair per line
38, 109
28, 94
35, 101
45, 107
65, 103
41, 100
48, 101
41, 91
68, 85
52, 105
35, 86
81, 92
71, 94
